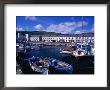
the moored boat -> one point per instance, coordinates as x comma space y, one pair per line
79, 53
64, 52
42, 66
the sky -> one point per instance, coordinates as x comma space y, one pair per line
58, 24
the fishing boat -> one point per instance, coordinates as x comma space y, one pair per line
66, 51
39, 65
61, 67
79, 52
42, 65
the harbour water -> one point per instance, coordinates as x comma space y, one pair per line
47, 51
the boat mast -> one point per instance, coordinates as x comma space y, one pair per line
82, 23
82, 28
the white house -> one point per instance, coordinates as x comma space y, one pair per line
85, 37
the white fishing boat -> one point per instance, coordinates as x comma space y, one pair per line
66, 52
79, 53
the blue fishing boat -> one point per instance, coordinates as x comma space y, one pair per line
61, 67
42, 66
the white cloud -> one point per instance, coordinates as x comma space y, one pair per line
39, 27
60, 28
67, 27
64, 28
77, 32
31, 18
19, 29
70, 23
84, 23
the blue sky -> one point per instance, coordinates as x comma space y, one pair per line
58, 24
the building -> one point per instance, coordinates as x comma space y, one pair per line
84, 37
54, 37
34, 38
22, 36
